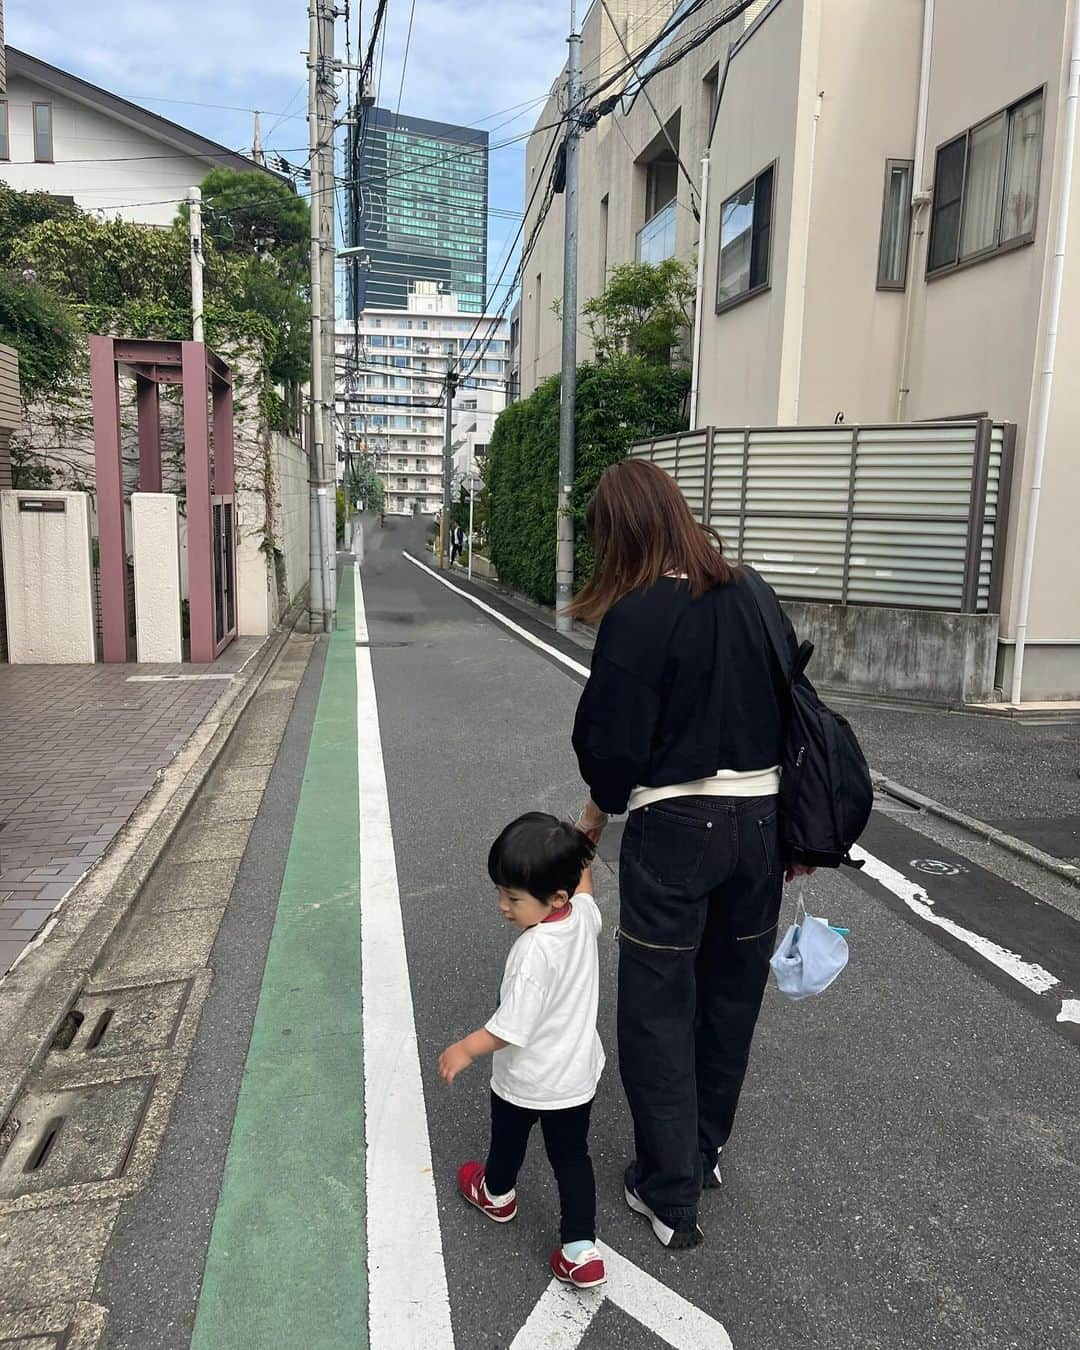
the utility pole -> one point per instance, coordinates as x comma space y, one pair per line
447, 461
320, 595
564, 556
323, 204
194, 198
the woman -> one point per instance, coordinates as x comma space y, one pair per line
680, 723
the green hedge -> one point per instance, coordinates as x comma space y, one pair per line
617, 403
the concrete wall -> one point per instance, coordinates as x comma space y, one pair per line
155, 546
99, 160
47, 579
900, 653
290, 473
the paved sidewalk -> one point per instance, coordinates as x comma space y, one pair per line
80, 746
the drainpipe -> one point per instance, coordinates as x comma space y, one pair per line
806, 258
1046, 377
920, 199
695, 378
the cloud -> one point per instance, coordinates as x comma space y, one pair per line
467, 60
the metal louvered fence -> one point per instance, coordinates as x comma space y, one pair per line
911, 515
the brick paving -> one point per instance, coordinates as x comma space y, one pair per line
80, 746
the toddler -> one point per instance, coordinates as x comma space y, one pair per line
546, 1054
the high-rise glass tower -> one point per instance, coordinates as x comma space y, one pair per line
419, 208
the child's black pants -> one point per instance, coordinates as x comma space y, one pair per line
566, 1139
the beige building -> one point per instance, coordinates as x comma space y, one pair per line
883, 197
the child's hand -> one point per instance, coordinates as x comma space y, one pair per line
452, 1060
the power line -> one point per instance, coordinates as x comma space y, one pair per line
667, 135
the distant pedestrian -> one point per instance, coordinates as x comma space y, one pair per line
457, 543
547, 1056
681, 724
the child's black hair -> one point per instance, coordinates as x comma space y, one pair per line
540, 854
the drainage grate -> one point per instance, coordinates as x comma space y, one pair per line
74, 1136
126, 1021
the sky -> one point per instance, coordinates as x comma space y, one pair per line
469, 61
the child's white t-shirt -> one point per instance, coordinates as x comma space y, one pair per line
547, 1014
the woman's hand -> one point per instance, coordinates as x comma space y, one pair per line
798, 870
452, 1060
592, 822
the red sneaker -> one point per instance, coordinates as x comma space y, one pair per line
470, 1180
585, 1273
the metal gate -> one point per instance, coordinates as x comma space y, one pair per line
223, 542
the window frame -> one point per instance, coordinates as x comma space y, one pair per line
998, 247
722, 306
51, 157
882, 283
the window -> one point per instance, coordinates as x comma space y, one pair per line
711, 84
746, 241
43, 133
895, 223
986, 187
5, 142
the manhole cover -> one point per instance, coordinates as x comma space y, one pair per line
127, 1021
74, 1136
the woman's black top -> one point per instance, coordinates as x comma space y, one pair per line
679, 688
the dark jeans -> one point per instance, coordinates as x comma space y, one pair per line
566, 1139
700, 881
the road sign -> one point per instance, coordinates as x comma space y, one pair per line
563, 1315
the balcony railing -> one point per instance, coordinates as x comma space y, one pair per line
656, 238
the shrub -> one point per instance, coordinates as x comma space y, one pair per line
618, 402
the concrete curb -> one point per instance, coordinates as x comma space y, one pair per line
39, 991
1009, 842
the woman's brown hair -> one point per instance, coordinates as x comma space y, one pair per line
640, 528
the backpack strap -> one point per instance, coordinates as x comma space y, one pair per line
769, 610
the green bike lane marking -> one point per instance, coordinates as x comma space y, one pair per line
286, 1265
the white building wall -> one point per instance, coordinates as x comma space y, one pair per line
100, 161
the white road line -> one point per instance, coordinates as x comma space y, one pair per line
408, 1300
561, 657
1028, 973
1070, 1010
562, 1316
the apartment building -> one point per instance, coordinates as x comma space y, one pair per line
635, 203
884, 196
390, 391
880, 208
475, 414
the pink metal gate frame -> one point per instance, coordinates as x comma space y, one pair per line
209, 476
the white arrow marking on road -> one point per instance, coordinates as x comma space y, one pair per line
563, 1315
1028, 973
1070, 1010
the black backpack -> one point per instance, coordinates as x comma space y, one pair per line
825, 791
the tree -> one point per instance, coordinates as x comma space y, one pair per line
42, 329
20, 210
257, 231
618, 402
252, 214
645, 312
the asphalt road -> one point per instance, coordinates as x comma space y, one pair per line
905, 1164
